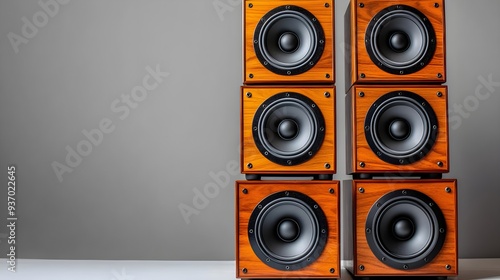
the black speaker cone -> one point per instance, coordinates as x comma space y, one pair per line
288, 128
288, 230
289, 40
405, 229
401, 127
400, 40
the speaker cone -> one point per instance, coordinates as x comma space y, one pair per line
288, 128
289, 40
401, 127
400, 40
405, 229
288, 230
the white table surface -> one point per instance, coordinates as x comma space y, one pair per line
178, 270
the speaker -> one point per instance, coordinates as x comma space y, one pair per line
400, 227
398, 129
287, 229
288, 130
288, 41
388, 41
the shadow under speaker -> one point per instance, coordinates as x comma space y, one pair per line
288, 41
392, 42
287, 229
401, 227
397, 129
288, 130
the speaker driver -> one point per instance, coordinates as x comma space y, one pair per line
288, 230
288, 128
401, 127
405, 229
289, 40
400, 40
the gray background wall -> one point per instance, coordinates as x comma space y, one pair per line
123, 199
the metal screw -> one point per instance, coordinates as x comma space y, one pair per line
362, 164
405, 266
250, 231
440, 164
327, 94
439, 94
439, 75
327, 76
361, 5
361, 267
327, 165
287, 193
289, 72
249, 94
289, 162
368, 230
361, 94
447, 189
448, 267
332, 270
367, 128
245, 270
245, 191
436, 5
316, 206
327, 5
404, 192
250, 165
361, 190
384, 259
332, 191
362, 75
323, 231
250, 76
441, 230
287, 267
322, 129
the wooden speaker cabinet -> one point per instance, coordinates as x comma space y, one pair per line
389, 41
400, 227
287, 130
397, 129
288, 41
287, 229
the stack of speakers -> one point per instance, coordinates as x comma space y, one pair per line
401, 216
287, 209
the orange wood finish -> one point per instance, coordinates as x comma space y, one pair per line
322, 72
319, 191
360, 60
323, 162
375, 189
357, 108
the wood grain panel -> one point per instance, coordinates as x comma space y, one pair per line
360, 151
435, 189
256, 192
360, 60
318, 74
260, 164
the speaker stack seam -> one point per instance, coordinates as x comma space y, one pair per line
399, 214
287, 209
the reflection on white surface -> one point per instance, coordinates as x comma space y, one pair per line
469, 269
